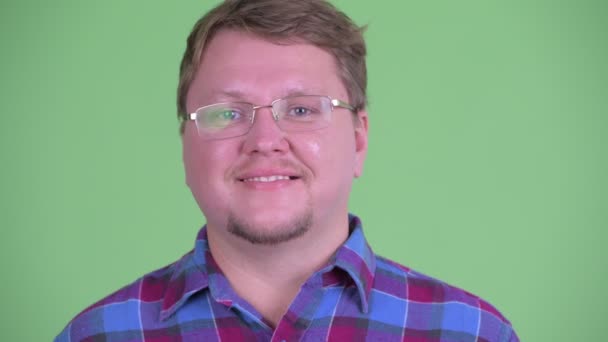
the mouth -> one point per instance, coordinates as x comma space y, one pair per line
268, 179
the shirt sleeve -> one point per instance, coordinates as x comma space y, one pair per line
64, 336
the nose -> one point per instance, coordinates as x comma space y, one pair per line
265, 136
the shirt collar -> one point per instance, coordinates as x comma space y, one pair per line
191, 272
358, 260
190, 276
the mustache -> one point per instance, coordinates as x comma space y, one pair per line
282, 163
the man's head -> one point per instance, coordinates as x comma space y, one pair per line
269, 184
314, 22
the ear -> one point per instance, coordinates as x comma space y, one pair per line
361, 127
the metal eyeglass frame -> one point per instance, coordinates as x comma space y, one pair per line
334, 103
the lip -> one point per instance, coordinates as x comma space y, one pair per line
266, 173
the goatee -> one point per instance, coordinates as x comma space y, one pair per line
282, 232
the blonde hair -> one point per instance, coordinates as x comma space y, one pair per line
315, 22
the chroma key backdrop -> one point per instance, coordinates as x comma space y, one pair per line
487, 165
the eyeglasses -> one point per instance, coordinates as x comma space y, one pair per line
292, 114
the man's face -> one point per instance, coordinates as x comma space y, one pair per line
233, 180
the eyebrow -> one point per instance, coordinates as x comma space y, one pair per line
230, 94
238, 95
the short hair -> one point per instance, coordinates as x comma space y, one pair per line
315, 22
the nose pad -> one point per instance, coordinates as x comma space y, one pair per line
256, 111
265, 135
275, 115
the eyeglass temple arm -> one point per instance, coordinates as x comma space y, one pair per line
342, 104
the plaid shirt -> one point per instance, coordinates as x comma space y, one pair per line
358, 296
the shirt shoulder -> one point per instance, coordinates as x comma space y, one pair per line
452, 308
121, 310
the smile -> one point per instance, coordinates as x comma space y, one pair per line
269, 179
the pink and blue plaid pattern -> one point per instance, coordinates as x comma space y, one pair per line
358, 296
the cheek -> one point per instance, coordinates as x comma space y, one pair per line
313, 149
203, 164
330, 155
205, 168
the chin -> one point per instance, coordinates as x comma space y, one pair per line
270, 229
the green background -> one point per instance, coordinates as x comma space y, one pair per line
487, 164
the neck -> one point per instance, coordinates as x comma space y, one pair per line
270, 276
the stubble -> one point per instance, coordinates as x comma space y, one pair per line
280, 233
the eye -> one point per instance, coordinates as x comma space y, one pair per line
299, 111
222, 117
228, 114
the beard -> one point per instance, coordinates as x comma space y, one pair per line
281, 232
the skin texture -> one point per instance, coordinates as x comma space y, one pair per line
272, 236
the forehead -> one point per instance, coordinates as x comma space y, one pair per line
241, 63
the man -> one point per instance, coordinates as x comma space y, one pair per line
274, 129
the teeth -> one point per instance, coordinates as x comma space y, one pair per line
266, 179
